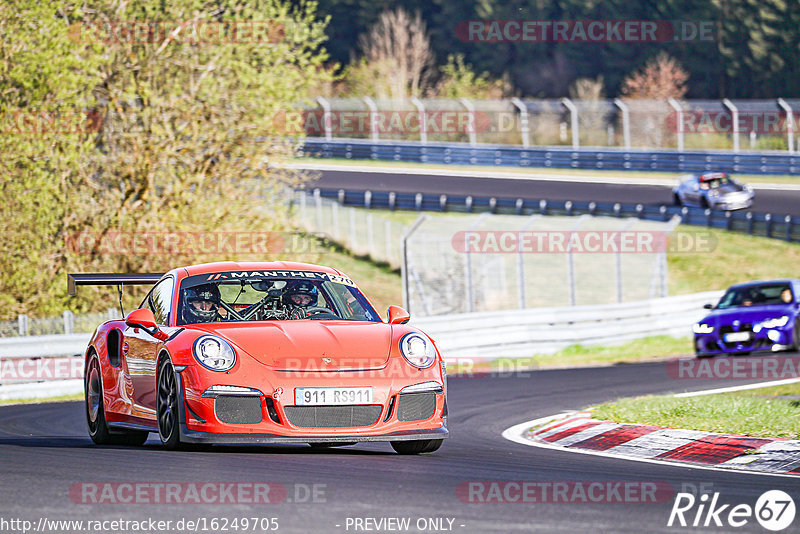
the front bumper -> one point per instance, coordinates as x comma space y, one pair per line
710, 344
201, 420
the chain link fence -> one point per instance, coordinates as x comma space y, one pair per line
740, 125
66, 323
476, 263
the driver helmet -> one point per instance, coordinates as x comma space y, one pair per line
200, 303
300, 293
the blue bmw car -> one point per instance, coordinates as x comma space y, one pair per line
751, 316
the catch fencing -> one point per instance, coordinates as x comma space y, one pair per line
629, 124
476, 263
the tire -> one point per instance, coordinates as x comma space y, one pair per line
795, 346
167, 406
330, 444
95, 412
676, 199
418, 446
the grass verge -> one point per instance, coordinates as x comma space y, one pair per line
62, 398
767, 412
650, 348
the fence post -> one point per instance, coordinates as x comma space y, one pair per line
789, 124
473, 137
373, 118
368, 199
326, 117
728, 220
543, 207
69, 322
318, 209
423, 127
392, 200
749, 217
22, 325
768, 224
626, 122
518, 205
679, 121
443, 202
352, 230
573, 114
525, 131
788, 221
568, 207
734, 122
387, 237
335, 217
371, 237
708, 217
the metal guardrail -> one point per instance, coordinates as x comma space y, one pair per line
556, 157
523, 333
783, 227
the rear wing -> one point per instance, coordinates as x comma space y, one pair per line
109, 279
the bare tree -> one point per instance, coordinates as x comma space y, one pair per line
398, 50
661, 78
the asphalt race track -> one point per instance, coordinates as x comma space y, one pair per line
778, 202
45, 451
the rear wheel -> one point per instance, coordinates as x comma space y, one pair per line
95, 413
167, 406
418, 446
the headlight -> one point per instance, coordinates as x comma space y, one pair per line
214, 353
418, 350
776, 322
702, 328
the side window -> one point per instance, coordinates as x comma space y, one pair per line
160, 301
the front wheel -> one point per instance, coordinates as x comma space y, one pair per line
95, 413
167, 406
795, 346
418, 446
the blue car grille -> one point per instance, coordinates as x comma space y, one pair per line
744, 327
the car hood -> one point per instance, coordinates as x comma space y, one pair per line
750, 314
730, 188
314, 345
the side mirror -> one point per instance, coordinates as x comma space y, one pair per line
398, 315
708, 306
145, 320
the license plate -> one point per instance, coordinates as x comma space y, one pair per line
734, 337
332, 396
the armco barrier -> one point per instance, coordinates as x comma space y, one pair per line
557, 157
782, 227
521, 333
508, 333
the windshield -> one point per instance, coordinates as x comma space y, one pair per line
297, 295
759, 295
714, 183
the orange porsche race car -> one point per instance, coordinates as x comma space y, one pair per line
261, 353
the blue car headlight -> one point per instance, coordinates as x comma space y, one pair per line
418, 350
214, 353
777, 322
702, 328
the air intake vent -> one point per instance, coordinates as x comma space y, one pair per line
416, 406
333, 416
238, 410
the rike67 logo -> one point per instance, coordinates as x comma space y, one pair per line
774, 510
